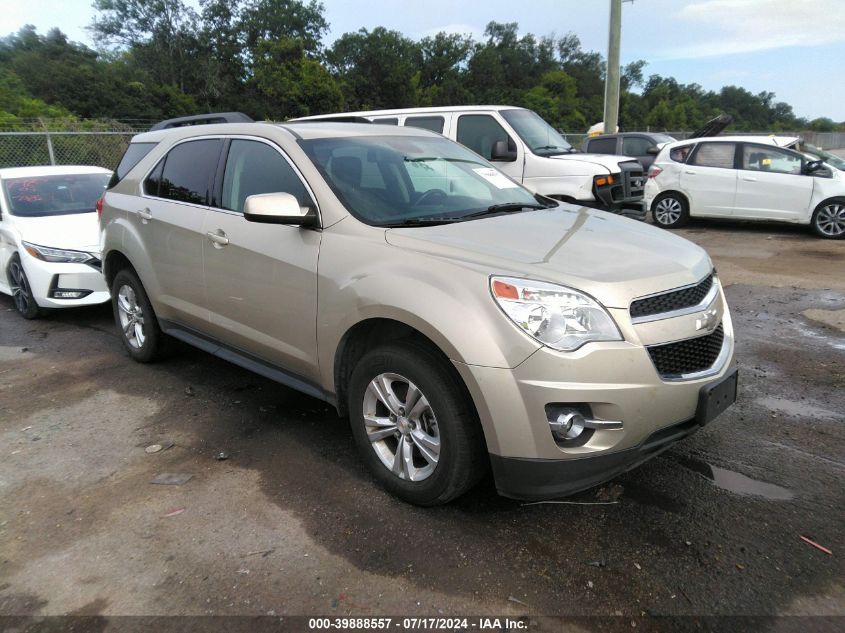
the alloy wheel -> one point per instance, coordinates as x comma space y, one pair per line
131, 317
830, 220
401, 427
19, 287
668, 211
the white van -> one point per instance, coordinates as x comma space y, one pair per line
529, 150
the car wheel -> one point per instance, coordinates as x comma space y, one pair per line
670, 211
21, 290
829, 220
135, 318
414, 424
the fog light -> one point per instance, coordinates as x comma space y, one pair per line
69, 294
568, 424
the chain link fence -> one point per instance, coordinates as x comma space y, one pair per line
23, 149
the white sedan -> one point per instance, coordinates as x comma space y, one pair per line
49, 234
747, 178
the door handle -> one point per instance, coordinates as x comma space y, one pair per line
749, 178
218, 238
690, 172
145, 215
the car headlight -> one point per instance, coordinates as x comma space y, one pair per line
47, 254
556, 316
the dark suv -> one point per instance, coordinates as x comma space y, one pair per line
643, 146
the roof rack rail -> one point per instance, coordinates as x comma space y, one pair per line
341, 118
203, 119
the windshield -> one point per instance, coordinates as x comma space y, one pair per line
818, 153
540, 137
663, 138
395, 180
64, 194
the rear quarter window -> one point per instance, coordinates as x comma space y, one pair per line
131, 157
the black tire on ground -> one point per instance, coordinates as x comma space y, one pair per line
21, 290
152, 346
828, 219
462, 452
670, 210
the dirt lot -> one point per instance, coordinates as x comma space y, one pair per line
290, 523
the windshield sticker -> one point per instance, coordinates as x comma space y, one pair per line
495, 178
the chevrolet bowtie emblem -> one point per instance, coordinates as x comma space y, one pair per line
707, 321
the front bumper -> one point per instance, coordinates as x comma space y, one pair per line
625, 195
48, 280
615, 381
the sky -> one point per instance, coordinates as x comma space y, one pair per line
789, 47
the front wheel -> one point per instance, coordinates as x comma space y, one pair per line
22, 291
134, 316
670, 211
414, 424
829, 219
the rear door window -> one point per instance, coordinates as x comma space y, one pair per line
433, 123
252, 168
479, 132
715, 155
602, 146
187, 172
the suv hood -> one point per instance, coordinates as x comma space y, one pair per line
77, 231
609, 162
614, 259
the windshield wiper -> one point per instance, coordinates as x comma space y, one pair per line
422, 221
424, 159
505, 207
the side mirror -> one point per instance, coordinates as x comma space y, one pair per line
813, 166
502, 152
653, 150
278, 208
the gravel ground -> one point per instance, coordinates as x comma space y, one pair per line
290, 523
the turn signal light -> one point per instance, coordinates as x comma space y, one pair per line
604, 180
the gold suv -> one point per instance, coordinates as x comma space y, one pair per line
459, 321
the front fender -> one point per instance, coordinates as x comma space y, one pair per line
448, 303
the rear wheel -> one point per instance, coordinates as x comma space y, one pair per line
21, 290
414, 424
829, 219
670, 210
135, 319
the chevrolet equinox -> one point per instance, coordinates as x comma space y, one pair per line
460, 321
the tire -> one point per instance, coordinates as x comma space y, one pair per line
828, 219
135, 319
442, 425
21, 290
670, 211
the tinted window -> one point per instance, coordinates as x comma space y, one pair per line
715, 155
433, 123
480, 132
54, 195
635, 145
602, 146
391, 121
188, 171
680, 154
133, 155
757, 158
253, 168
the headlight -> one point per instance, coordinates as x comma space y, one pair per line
558, 317
48, 254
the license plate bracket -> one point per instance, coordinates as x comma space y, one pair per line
714, 398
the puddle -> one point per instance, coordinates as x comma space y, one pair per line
735, 482
800, 409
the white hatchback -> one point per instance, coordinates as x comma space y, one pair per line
746, 178
49, 233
